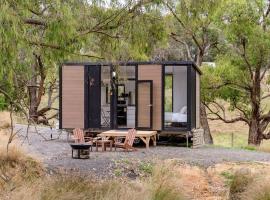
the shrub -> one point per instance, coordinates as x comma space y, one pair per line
146, 167
164, 184
257, 190
239, 182
79, 188
16, 169
161, 186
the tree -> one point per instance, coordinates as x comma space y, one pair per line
36, 36
193, 28
242, 68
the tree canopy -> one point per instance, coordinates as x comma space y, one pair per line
241, 68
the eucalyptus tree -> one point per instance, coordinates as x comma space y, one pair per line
192, 25
242, 71
35, 36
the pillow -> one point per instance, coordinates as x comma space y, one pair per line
183, 110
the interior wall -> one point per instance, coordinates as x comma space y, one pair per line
154, 72
179, 88
72, 96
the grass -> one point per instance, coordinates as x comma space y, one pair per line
222, 136
16, 169
169, 180
239, 182
118, 172
161, 186
228, 177
146, 167
247, 186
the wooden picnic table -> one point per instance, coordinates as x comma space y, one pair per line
145, 136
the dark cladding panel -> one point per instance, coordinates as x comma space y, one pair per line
93, 102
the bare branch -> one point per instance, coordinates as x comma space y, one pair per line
184, 26
266, 96
219, 117
173, 35
227, 83
35, 22
56, 47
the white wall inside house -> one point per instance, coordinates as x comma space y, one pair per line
179, 88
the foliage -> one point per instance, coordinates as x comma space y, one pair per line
168, 93
241, 66
3, 103
36, 36
146, 167
192, 28
17, 169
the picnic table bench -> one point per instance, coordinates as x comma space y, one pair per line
145, 136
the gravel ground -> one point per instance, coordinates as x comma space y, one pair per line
56, 155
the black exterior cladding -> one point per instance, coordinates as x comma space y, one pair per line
92, 99
92, 119
192, 98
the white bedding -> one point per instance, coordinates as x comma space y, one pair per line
175, 117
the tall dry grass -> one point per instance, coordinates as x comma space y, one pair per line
249, 186
259, 189
16, 170
161, 186
4, 120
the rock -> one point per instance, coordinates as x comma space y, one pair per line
132, 175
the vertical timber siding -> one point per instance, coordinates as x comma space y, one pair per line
154, 73
198, 100
143, 102
73, 97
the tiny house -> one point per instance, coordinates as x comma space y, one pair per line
162, 96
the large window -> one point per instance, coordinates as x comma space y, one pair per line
126, 94
175, 97
168, 92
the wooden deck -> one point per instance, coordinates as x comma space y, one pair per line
145, 136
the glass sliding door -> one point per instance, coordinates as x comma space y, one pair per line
175, 97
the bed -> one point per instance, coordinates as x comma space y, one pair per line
174, 118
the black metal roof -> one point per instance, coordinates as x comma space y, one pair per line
181, 63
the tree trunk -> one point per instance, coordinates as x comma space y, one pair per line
204, 122
208, 139
254, 135
33, 107
36, 89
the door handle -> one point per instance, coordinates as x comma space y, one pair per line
150, 105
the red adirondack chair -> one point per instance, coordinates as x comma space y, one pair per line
78, 136
128, 142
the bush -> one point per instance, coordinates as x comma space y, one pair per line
161, 186
79, 188
257, 190
3, 103
239, 182
164, 184
16, 170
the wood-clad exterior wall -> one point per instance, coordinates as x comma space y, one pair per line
72, 97
144, 100
154, 73
198, 100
